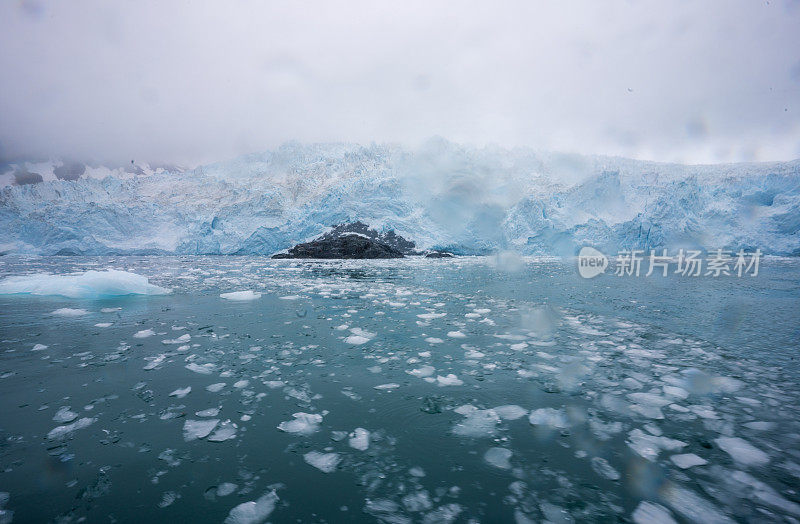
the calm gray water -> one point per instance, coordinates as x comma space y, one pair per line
405, 391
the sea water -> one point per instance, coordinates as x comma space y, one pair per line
413, 390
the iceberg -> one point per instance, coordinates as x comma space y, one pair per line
441, 195
91, 284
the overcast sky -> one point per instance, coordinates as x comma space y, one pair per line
197, 81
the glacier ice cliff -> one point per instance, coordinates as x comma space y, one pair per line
441, 195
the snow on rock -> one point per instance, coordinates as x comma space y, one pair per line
91, 284
254, 511
241, 296
325, 462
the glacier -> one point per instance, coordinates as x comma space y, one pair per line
442, 195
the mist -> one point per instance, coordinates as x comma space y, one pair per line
194, 82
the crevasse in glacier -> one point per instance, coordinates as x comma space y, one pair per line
441, 195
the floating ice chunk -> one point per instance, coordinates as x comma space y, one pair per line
482, 311
64, 415
210, 412
104, 324
742, 451
39, 347
510, 412
154, 362
274, 384
180, 393
359, 439
431, 316
653, 412
632, 383
359, 336
688, 460
449, 380
390, 385
421, 372
325, 462
555, 418
241, 384
434, 340
652, 513
519, 346
197, 429
254, 511
473, 354
760, 425
168, 498
691, 506
498, 457
91, 284
242, 296
186, 337
225, 431
477, 423
675, 391
69, 312
226, 488
203, 369
144, 333
416, 471
214, 388
110, 309
290, 297
604, 469
456, 334
417, 501
649, 399
649, 446
303, 424
765, 493
62, 432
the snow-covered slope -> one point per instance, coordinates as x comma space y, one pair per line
441, 195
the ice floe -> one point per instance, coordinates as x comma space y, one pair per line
91, 284
253, 512
303, 424
498, 457
325, 462
742, 451
359, 439
69, 312
198, 429
242, 296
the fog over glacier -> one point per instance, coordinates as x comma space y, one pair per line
441, 195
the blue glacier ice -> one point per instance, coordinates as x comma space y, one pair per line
441, 195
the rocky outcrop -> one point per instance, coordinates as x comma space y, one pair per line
348, 245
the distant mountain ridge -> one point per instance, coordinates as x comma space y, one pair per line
442, 196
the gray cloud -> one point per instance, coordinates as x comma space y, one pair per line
195, 81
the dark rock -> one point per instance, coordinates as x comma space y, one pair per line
354, 240
390, 238
438, 254
345, 246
